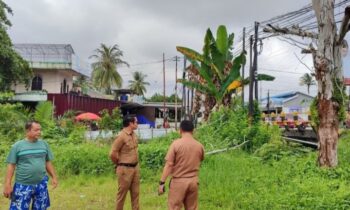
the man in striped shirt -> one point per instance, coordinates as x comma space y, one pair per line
30, 159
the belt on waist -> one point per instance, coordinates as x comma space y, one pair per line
183, 177
127, 164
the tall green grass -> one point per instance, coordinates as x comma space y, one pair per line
233, 180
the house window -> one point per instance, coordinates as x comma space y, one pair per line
37, 83
65, 86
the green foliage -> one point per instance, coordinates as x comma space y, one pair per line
157, 97
74, 159
339, 95
44, 112
215, 66
6, 96
138, 84
12, 120
13, 68
230, 126
276, 148
105, 73
315, 121
111, 122
308, 80
152, 154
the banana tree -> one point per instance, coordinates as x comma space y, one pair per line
216, 73
216, 67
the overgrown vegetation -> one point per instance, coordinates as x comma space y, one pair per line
266, 173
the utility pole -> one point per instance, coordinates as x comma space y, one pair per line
163, 88
188, 99
251, 78
255, 64
175, 92
183, 108
268, 103
242, 80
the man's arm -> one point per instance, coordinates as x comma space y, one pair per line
51, 170
168, 168
9, 174
116, 146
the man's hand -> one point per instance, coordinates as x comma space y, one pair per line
161, 189
54, 182
7, 190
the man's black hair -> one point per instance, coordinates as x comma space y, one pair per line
128, 119
187, 126
29, 124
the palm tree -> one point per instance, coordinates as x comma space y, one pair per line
308, 80
105, 74
138, 85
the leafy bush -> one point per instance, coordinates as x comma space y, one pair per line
74, 159
12, 120
152, 154
230, 126
112, 121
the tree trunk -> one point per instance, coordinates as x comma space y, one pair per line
327, 68
196, 102
209, 104
327, 133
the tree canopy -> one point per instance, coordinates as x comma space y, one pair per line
13, 68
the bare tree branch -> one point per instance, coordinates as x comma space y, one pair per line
303, 63
291, 43
344, 28
295, 30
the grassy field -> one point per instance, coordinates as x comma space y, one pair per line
234, 180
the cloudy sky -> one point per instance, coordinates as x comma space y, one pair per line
145, 30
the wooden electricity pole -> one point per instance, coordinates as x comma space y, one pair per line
163, 88
242, 80
251, 78
175, 92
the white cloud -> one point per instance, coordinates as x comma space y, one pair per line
145, 30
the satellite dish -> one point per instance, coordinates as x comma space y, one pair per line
344, 48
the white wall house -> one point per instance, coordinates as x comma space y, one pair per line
54, 66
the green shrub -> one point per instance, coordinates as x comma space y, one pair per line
12, 120
152, 154
230, 126
112, 121
74, 159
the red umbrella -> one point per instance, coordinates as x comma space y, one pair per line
88, 116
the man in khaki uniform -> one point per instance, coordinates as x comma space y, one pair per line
182, 163
124, 155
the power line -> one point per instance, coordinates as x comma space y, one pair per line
281, 71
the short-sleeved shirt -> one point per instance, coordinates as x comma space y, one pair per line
125, 148
30, 159
185, 156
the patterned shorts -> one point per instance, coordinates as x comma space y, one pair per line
22, 196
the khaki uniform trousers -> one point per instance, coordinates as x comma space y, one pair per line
128, 179
183, 191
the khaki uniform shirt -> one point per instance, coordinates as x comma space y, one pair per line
185, 156
124, 148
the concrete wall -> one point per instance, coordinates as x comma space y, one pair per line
51, 79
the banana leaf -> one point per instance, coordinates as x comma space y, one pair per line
195, 85
222, 40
